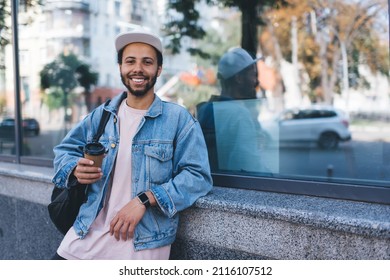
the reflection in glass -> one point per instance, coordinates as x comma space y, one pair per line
7, 98
323, 99
238, 136
230, 120
320, 110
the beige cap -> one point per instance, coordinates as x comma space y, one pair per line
145, 37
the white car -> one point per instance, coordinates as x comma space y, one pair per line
325, 126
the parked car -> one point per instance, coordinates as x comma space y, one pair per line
325, 126
30, 127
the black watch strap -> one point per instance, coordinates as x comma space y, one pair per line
144, 199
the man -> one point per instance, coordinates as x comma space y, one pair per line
229, 121
155, 166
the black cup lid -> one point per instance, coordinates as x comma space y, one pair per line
94, 149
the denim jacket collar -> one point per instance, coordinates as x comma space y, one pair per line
154, 110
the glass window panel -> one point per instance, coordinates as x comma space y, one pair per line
7, 97
50, 64
304, 123
319, 112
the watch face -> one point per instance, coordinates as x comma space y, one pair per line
144, 199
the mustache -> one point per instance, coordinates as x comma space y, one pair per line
129, 76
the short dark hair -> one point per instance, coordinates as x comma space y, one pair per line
159, 56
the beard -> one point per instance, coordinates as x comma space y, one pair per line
139, 92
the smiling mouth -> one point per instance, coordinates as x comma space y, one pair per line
138, 80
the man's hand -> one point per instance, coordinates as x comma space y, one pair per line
123, 224
86, 173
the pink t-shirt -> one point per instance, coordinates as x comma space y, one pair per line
98, 243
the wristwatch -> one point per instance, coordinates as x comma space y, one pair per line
144, 199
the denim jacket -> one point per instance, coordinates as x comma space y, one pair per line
169, 158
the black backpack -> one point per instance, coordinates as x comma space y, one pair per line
66, 202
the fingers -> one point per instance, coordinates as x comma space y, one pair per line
122, 229
85, 161
113, 224
123, 224
130, 230
86, 173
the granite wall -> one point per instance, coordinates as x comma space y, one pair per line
226, 224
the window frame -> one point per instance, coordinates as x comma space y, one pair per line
362, 193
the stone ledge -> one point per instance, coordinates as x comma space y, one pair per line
28, 172
232, 235
246, 224
361, 218
349, 216
29, 183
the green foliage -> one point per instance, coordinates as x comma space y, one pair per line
54, 98
3, 104
58, 74
5, 22
61, 76
184, 25
368, 49
190, 96
184, 22
216, 44
86, 77
5, 12
356, 26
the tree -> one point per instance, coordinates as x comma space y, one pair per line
217, 41
342, 23
5, 37
331, 34
5, 26
86, 79
184, 19
61, 76
5, 14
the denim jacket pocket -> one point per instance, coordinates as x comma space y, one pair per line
159, 162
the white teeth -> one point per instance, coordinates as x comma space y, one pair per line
138, 80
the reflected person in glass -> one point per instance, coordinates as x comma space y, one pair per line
230, 121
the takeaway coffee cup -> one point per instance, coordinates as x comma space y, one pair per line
95, 152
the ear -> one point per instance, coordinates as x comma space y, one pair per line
159, 70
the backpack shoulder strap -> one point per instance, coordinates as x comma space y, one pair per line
102, 124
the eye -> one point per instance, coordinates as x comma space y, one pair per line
148, 61
130, 61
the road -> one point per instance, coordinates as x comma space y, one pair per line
366, 157
356, 161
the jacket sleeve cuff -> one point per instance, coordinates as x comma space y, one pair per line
164, 200
64, 178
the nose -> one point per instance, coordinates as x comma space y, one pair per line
137, 67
